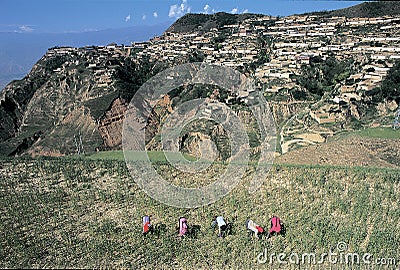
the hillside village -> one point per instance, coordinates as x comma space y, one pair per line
98, 172
292, 40
272, 50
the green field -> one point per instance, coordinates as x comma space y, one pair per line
63, 212
383, 133
379, 133
107, 155
154, 156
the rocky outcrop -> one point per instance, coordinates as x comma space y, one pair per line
76, 133
282, 111
110, 125
56, 105
15, 98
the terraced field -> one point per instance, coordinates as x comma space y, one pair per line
374, 147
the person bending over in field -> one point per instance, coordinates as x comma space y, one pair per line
222, 226
146, 225
276, 226
254, 227
182, 226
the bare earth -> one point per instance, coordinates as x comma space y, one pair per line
350, 151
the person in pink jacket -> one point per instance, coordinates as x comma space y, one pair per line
183, 228
277, 226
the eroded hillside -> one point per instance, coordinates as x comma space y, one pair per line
321, 76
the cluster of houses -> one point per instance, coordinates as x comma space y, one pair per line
374, 42
100, 61
270, 49
288, 42
291, 42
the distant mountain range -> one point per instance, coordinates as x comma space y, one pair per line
20, 51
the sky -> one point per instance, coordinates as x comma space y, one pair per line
65, 16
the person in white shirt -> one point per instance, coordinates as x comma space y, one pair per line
221, 225
254, 227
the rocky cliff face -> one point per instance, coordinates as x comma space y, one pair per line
74, 101
56, 108
15, 98
110, 126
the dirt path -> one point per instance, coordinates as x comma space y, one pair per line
285, 146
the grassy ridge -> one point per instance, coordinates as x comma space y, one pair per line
87, 213
154, 156
383, 133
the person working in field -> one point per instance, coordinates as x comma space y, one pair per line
182, 226
276, 226
254, 227
222, 226
146, 225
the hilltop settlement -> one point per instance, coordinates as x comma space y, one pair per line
320, 75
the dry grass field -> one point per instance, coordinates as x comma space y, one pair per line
78, 212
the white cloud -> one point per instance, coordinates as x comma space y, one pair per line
208, 10
177, 11
234, 11
127, 18
155, 14
144, 17
245, 11
25, 28
173, 10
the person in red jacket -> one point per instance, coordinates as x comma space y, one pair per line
146, 225
276, 226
